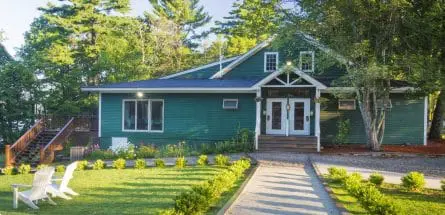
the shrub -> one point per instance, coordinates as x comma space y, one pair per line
203, 160
239, 167
24, 169
120, 163
222, 160
146, 152
99, 164
174, 150
376, 179
102, 154
181, 162
337, 174
140, 164
60, 168
128, 152
8, 170
191, 203
353, 183
414, 181
159, 163
82, 165
443, 185
41, 166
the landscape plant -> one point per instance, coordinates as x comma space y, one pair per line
60, 168
82, 165
181, 162
9, 170
376, 179
102, 154
222, 160
99, 164
337, 174
413, 181
442, 185
159, 163
119, 163
24, 169
203, 160
140, 164
148, 151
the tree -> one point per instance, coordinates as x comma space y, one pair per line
187, 15
17, 93
370, 37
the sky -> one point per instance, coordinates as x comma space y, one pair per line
17, 15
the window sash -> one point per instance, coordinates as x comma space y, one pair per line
270, 61
343, 104
234, 103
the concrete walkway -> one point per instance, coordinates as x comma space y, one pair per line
390, 177
284, 189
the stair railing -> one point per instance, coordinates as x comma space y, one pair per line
11, 151
47, 152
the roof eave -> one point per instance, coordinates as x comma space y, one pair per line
172, 90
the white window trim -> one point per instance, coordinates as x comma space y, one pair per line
347, 100
265, 61
136, 113
312, 53
230, 100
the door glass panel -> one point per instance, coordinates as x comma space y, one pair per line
276, 115
298, 116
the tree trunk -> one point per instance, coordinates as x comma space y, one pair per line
437, 122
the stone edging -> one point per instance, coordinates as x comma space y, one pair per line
339, 205
240, 190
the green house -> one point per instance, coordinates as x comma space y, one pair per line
287, 100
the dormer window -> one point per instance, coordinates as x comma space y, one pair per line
270, 61
307, 61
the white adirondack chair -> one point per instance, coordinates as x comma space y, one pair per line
61, 190
42, 179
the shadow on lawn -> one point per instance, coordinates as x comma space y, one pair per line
424, 196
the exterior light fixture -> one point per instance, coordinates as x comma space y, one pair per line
139, 94
289, 63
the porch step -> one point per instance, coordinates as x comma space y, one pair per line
287, 143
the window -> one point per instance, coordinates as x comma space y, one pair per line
307, 61
270, 61
143, 115
381, 104
346, 104
230, 104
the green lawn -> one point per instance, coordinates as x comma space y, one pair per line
427, 202
112, 191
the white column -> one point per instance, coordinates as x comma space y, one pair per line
317, 118
258, 118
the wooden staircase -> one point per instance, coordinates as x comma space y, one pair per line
31, 154
39, 143
287, 143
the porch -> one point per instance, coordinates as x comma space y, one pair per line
288, 113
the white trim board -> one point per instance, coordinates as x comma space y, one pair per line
100, 115
425, 122
199, 68
352, 89
303, 75
171, 90
277, 61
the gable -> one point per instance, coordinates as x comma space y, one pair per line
201, 72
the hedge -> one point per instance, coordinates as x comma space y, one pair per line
199, 199
366, 192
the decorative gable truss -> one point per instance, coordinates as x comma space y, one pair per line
292, 78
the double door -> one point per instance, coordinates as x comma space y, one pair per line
288, 116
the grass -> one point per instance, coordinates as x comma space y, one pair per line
427, 202
110, 191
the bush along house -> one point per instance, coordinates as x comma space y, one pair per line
285, 98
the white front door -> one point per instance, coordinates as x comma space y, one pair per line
276, 118
277, 121
299, 116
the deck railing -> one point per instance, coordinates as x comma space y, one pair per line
11, 151
47, 152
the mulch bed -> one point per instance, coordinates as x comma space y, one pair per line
434, 147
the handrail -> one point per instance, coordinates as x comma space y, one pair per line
47, 152
22, 143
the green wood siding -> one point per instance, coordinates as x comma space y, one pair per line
404, 122
252, 68
195, 118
